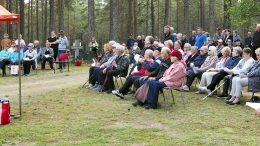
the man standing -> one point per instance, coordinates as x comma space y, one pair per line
200, 38
63, 46
192, 39
256, 40
248, 40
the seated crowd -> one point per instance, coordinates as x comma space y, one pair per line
176, 62
32, 54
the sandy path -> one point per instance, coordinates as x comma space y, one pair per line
39, 85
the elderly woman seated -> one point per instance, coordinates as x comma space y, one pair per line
241, 68
119, 67
172, 77
4, 59
14, 57
207, 76
194, 54
144, 67
108, 52
186, 51
47, 54
201, 65
29, 59
252, 79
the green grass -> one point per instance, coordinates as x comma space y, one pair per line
76, 116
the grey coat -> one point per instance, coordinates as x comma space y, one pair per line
254, 78
45, 49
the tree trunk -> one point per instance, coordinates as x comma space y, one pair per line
147, 18
1, 24
130, 17
166, 12
158, 19
212, 16
186, 4
202, 13
152, 17
113, 34
177, 15
32, 23
61, 14
46, 19
10, 26
37, 19
28, 21
135, 18
52, 20
91, 20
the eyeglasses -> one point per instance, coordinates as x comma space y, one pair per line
30, 46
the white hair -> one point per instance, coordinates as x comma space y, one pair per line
149, 52
205, 47
257, 51
166, 50
111, 43
226, 49
121, 48
213, 49
187, 45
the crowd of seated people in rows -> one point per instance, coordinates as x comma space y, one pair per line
176, 62
32, 54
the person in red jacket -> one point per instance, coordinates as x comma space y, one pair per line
137, 73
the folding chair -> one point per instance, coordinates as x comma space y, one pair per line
120, 77
176, 89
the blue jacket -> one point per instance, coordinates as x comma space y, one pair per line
199, 60
14, 56
232, 62
4, 54
152, 66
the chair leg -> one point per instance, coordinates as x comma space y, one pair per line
163, 95
173, 100
116, 84
182, 97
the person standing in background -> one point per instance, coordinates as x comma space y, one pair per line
53, 40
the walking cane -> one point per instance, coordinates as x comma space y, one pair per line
84, 84
214, 90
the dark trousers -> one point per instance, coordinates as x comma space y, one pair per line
192, 77
216, 80
50, 60
128, 83
91, 74
109, 82
153, 92
55, 51
27, 66
3, 63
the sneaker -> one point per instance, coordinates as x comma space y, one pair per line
185, 88
93, 87
118, 94
198, 92
99, 88
205, 90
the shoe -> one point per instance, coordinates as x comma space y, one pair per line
205, 90
137, 103
118, 94
99, 88
93, 87
222, 95
236, 101
198, 92
185, 88
89, 86
149, 106
228, 98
